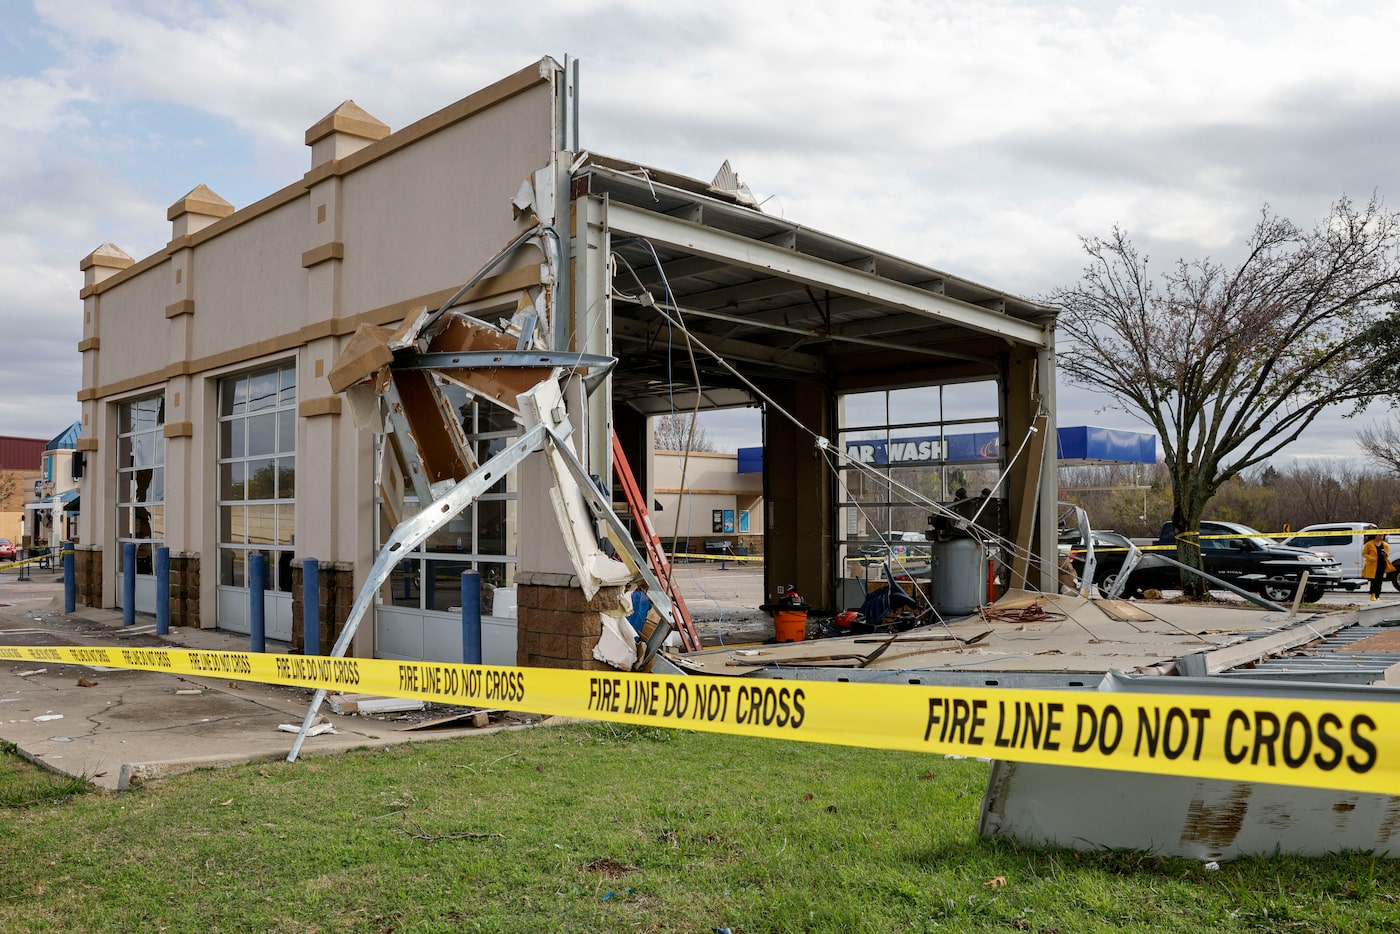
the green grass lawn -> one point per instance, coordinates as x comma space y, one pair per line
596, 827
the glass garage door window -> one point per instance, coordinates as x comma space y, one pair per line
257, 475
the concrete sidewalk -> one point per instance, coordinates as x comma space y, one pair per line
114, 726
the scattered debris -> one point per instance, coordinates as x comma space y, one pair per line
476, 718
32, 671
322, 725
1034, 613
86, 682
48, 716
996, 882
345, 704
188, 691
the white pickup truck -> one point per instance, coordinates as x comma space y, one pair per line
1343, 541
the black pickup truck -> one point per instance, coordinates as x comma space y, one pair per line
1232, 552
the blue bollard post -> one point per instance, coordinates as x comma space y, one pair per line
471, 617
129, 584
70, 580
162, 591
257, 585
310, 606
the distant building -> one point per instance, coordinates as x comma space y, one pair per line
20, 461
51, 498
708, 504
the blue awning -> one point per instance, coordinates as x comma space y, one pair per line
69, 499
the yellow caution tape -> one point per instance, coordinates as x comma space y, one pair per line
720, 556
1344, 745
56, 558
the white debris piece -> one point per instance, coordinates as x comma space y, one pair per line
345, 704
323, 726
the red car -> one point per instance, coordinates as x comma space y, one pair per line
7, 550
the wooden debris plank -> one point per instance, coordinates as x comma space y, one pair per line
476, 718
1123, 611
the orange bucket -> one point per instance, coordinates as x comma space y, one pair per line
790, 625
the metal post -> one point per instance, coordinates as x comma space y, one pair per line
471, 617
70, 580
257, 584
162, 590
129, 584
310, 606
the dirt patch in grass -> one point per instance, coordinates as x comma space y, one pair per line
609, 868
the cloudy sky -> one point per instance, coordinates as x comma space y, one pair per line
979, 138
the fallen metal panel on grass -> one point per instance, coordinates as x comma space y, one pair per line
1195, 818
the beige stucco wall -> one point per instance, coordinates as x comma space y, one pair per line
387, 227
132, 328
248, 283
413, 221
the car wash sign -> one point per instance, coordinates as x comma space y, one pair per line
930, 449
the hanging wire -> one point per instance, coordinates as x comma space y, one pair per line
673, 315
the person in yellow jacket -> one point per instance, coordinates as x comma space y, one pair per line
1376, 555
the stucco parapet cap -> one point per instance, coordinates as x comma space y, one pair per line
201, 200
108, 255
349, 118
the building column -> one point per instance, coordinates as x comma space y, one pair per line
797, 494
94, 525
334, 460
191, 424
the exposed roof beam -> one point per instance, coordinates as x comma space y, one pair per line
815, 333
753, 254
785, 357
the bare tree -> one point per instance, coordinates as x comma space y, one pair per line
1382, 444
11, 490
1230, 365
680, 432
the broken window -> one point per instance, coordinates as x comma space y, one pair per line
481, 538
141, 479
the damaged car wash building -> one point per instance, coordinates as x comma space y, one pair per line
212, 425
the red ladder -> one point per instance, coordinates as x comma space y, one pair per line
660, 564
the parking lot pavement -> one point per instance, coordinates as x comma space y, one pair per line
724, 601
113, 726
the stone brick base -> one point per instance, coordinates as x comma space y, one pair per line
87, 569
556, 627
337, 582
184, 589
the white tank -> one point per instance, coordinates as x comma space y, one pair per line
959, 576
